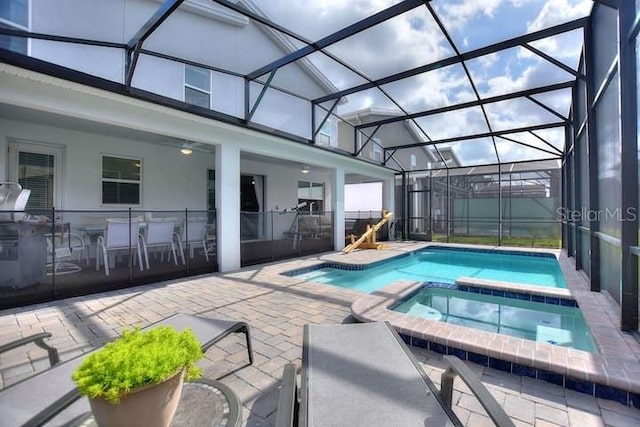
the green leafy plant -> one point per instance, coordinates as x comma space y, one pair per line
136, 359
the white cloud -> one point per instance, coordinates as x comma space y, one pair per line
555, 12
413, 39
565, 47
458, 14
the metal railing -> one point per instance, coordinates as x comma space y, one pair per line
276, 235
51, 254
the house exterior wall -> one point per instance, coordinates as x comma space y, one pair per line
199, 31
81, 188
281, 183
389, 135
163, 188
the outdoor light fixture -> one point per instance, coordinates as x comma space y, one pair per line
304, 169
186, 149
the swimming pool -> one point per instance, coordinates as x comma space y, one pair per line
552, 323
446, 265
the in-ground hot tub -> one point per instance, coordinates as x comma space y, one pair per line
553, 323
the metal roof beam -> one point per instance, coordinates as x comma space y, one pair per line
326, 117
480, 165
554, 61
135, 43
62, 39
515, 141
265, 87
163, 12
477, 135
261, 19
369, 137
503, 45
468, 73
342, 34
544, 141
475, 103
546, 107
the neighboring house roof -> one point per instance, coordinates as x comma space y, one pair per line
358, 117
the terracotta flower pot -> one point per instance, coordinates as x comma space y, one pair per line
152, 405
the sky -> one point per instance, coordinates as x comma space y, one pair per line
414, 39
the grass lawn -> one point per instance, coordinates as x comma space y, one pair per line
533, 241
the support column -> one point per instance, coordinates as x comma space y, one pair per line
629, 168
389, 195
592, 159
389, 202
337, 203
228, 207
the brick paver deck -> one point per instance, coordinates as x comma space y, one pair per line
276, 307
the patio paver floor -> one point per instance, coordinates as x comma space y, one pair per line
276, 311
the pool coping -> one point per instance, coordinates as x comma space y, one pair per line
359, 266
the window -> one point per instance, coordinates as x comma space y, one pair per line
36, 167
414, 162
14, 14
121, 180
197, 86
377, 150
325, 135
311, 193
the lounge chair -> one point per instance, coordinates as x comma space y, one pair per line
40, 398
364, 375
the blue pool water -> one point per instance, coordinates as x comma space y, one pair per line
554, 324
446, 266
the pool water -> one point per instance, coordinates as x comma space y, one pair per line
554, 324
446, 266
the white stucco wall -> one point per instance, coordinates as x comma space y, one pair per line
363, 197
183, 185
282, 183
204, 35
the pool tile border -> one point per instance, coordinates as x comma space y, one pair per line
570, 368
365, 266
491, 251
343, 266
522, 295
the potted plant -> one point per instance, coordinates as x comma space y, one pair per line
137, 379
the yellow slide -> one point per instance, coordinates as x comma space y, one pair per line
368, 239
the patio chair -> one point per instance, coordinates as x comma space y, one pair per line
119, 235
60, 253
193, 233
77, 244
52, 394
364, 375
159, 234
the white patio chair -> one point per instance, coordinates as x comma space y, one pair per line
159, 234
194, 232
118, 235
59, 257
76, 243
